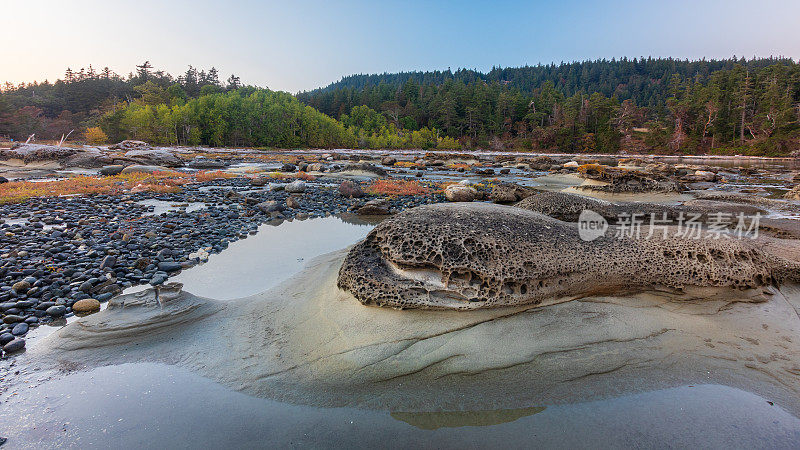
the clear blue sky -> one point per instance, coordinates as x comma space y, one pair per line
299, 45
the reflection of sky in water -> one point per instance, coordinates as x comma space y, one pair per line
146, 403
262, 261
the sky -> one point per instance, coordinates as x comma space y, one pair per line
297, 45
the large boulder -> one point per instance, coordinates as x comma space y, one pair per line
206, 164
459, 193
90, 159
376, 207
794, 194
86, 306
364, 169
568, 207
296, 187
509, 193
154, 157
30, 153
114, 169
138, 168
130, 144
479, 255
350, 189
604, 178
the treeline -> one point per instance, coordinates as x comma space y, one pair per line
50, 110
647, 105
253, 117
731, 106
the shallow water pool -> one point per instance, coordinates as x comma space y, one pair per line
147, 405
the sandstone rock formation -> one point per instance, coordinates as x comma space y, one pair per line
474, 256
621, 179
568, 207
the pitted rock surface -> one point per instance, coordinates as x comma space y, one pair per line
476, 255
568, 207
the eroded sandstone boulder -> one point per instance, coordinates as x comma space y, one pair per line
621, 179
471, 256
568, 207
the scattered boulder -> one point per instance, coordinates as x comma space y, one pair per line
459, 193
205, 164
259, 181
269, 206
376, 207
364, 167
91, 159
296, 187
794, 194
85, 306
154, 157
3, 180
56, 310
20, 287
14, 346
108, 262
509, 193
111, 170
704, 175
619, 179
129, 144
137, 168
30, 153
350, 189
388, 161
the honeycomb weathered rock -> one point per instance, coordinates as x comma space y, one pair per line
476, 255
568, 207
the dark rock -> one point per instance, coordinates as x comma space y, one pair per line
56, 311
14, 346
169, 266
350, 189
111, 170
377, 207
19, 329
108, 262
269, 206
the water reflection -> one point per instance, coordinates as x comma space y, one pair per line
454, 419
275, 253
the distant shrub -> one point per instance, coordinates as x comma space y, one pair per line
95, 136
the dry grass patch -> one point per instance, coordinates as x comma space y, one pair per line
158, 182
398, 187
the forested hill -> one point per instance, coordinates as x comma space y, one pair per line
733, 106
643, 80
630, 105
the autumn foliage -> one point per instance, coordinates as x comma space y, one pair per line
398, 187
159, 182
95, 136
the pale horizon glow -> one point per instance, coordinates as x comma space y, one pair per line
302, 45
